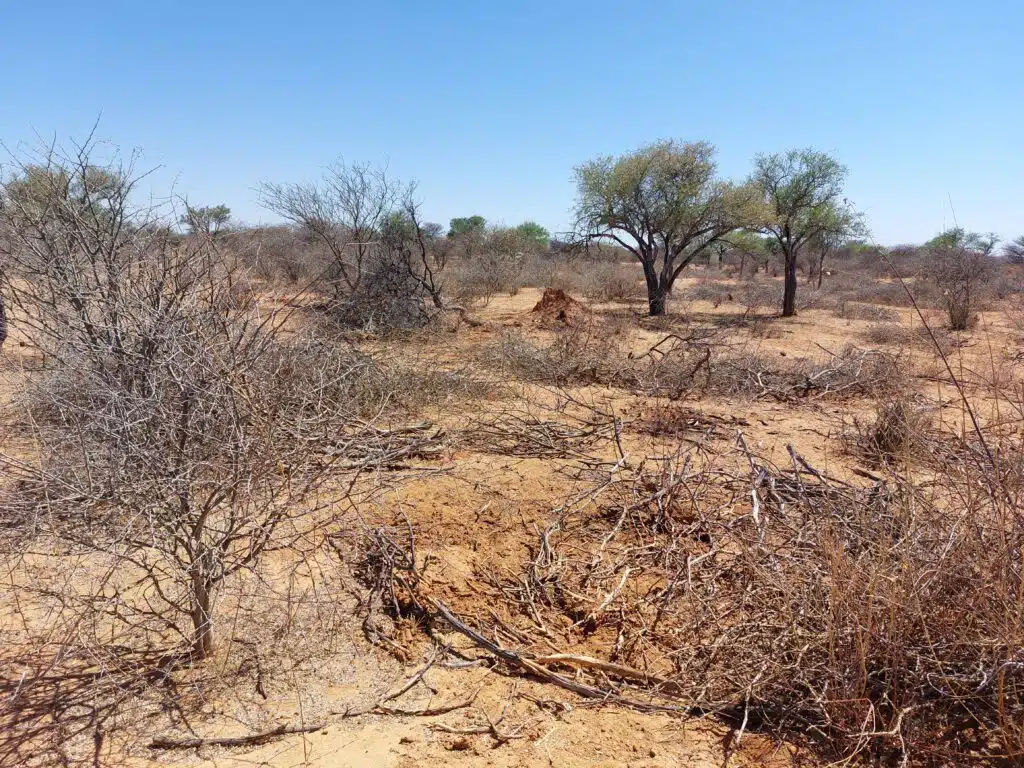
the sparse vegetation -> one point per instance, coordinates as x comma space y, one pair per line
226, 446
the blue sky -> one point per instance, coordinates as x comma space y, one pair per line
489, 105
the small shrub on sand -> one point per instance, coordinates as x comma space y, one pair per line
897, 429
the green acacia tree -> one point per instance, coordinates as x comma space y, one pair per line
663, 203
801, 195
206, 220
960, 238
534, 233
468, 225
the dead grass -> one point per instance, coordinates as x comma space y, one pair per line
852, 310
897, 335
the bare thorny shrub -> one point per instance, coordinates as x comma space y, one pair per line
576, 355
176, 434
693, 362
962, 278
385, 266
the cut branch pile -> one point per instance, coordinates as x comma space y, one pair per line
852, 372
865, 619
525, 434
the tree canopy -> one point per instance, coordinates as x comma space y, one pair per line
801, 199
960, 238
664, 203
467, 225
205, 219
534, 232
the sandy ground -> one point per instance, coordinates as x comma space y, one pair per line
475, 521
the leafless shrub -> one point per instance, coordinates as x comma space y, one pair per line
386, 265
673, 420
1013, 251
675, 367
759, 295
280, 254
682, 365
961, 276
564, 429
609, 281
816, 298
479, 278
852, 372
864, 289
709, 290
789, 601
189, 470
764, 328
80, 262
345, 213
847, 281
411, 386
1007, 283
179, 432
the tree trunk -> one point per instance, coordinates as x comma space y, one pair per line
202, 619
656, 289
789, 294
656, 301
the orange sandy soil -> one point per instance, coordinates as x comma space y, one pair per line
477, 521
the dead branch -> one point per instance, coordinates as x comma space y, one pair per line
233, 741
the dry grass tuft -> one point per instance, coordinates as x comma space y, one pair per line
898, 430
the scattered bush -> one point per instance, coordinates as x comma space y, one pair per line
852, 372
756, 296
280, 254
764, 328
815, 298
894, 334
708, 290
480, 278
869, 622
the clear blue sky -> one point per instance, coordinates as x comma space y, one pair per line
489, 105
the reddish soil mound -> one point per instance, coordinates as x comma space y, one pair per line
558, 308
